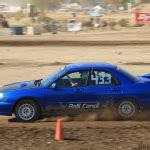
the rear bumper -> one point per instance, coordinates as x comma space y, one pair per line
6, 108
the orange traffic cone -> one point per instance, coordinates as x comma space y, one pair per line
58, 134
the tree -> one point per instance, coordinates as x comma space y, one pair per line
120, 1
47, 4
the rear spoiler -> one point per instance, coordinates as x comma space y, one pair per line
146, 76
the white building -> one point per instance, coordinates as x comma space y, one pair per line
5, 8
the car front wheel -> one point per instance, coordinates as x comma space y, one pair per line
26, 111
127, 110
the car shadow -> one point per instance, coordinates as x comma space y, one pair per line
70, 119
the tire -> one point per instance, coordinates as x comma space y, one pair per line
127, 110
27, 111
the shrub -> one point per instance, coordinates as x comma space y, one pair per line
43, 18
123, 23
112, 24
19, 15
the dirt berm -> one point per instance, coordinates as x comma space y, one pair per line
69, 43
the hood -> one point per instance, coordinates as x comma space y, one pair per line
18, 86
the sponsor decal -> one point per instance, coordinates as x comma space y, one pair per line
84, 106
142, 17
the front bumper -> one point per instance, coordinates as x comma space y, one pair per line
6, 108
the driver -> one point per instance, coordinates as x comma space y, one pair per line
82, 80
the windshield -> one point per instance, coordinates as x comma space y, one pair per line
130, 76
52, 77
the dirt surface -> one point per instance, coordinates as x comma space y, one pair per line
78, 135
27, 63
129, 36
126, 34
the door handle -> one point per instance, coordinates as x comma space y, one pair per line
78, 90
115, 89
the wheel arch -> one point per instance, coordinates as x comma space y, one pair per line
29, 98
130, 99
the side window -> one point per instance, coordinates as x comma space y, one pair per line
75, 79
102, 78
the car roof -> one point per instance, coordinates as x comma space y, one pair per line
89, 66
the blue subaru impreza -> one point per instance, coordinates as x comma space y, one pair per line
78, 88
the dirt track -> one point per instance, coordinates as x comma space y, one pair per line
78, 135
27, 63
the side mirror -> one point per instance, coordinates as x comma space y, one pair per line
53, 86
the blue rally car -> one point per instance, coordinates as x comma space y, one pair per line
78, 88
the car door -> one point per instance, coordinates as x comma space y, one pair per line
103, 88
69, 92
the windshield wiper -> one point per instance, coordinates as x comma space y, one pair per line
37, 82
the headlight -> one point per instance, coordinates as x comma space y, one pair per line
1, 95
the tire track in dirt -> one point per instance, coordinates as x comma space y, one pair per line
21, 63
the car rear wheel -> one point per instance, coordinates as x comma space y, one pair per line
127, 110
26, 111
